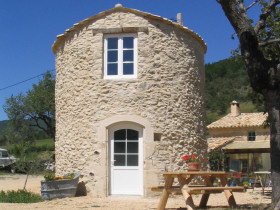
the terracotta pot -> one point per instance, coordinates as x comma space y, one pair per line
193, 166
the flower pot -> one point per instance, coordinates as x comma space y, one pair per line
193, 166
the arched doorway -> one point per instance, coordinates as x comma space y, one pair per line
126, 159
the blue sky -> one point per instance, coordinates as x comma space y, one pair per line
29, 28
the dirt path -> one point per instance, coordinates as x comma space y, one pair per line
14, 182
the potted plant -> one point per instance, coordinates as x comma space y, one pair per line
192, 162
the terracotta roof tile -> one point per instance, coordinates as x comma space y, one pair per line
242, 120
215, 143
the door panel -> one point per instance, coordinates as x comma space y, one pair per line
126, 144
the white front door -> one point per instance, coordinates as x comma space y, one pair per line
126, 144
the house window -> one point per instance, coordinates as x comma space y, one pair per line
251, 136
120, 56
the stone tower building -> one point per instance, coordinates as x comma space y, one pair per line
129, 100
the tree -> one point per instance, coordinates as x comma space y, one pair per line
22, 137
37, 108
260, 50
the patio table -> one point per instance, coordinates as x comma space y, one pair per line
187, 190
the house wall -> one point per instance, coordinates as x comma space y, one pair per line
241, 134
168, 95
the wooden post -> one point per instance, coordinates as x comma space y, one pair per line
205, 196
228, 193
165, 194
184, 188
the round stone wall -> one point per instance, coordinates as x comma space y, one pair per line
168, 94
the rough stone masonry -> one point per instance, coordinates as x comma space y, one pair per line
167, 96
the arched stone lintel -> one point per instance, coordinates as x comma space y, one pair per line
148, 131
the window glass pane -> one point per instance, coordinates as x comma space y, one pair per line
127, 68
120, 135
119, 160
132, 134
5, 154
251, 136
132, 147
132, 160
128, 55
119, 147
113, 56
112, 69
128, 42
112, 43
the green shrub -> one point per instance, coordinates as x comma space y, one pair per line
19, 196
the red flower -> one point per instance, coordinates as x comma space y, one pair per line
186, 157
189, 158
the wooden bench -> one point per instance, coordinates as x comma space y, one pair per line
201, 190
198, 189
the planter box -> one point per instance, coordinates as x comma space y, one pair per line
60, 188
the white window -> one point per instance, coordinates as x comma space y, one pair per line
120, 56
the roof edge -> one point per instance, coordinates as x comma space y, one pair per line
61, 37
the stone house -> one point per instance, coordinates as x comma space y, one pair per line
129, 100
244, 138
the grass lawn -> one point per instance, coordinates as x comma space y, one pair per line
47, 142
4, 172
38, 143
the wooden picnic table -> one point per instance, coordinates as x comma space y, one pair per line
187, 190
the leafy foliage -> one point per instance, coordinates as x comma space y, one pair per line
36, 108
270, 31
19, 196
52, 177
217, 160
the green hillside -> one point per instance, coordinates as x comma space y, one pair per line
226, 81
38, 133
3, 125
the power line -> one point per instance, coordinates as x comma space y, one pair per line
4, 88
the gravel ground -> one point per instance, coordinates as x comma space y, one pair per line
245, 200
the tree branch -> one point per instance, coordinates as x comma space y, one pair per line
267, 11
268, 42
48, 121
252, 4
37, 123
253, 57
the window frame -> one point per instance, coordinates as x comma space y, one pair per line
120, 62
251, 134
